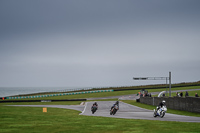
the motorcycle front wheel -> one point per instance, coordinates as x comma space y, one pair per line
93, 111
162, 114
111, 112
114, 111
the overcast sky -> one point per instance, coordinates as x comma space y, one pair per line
58, 43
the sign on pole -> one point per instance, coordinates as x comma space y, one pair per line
157, 78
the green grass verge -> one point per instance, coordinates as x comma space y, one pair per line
44, 103
191, 93
32, 120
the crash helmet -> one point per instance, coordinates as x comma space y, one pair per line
163, 101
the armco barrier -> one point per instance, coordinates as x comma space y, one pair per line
61, 94
191, 104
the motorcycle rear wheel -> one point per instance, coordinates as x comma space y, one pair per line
154, 114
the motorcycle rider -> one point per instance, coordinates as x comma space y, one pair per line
94, 104
116, 103
161, 104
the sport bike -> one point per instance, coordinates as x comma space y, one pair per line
94, 109
160, 112
114, 110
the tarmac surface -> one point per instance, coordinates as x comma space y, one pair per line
126, 111
132, 112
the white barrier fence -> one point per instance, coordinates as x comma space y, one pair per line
61, 94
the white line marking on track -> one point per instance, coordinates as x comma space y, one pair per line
84, 109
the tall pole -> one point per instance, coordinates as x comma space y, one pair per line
170, 84
166, 87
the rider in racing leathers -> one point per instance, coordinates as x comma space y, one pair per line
161, 104
95, 104
117, 103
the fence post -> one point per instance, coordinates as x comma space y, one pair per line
153, 101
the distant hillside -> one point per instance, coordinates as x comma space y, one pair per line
155, 86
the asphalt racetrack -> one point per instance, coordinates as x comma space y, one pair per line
126, 111
133, 112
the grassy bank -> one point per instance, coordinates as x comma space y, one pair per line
29, 119
107, 94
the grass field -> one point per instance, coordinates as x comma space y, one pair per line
32, 119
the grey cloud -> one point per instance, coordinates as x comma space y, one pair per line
97, 43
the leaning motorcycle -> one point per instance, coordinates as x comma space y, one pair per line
160, 112
94, 109
114, 110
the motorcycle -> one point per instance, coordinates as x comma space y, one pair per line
114, 110
94, 109
160, 112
